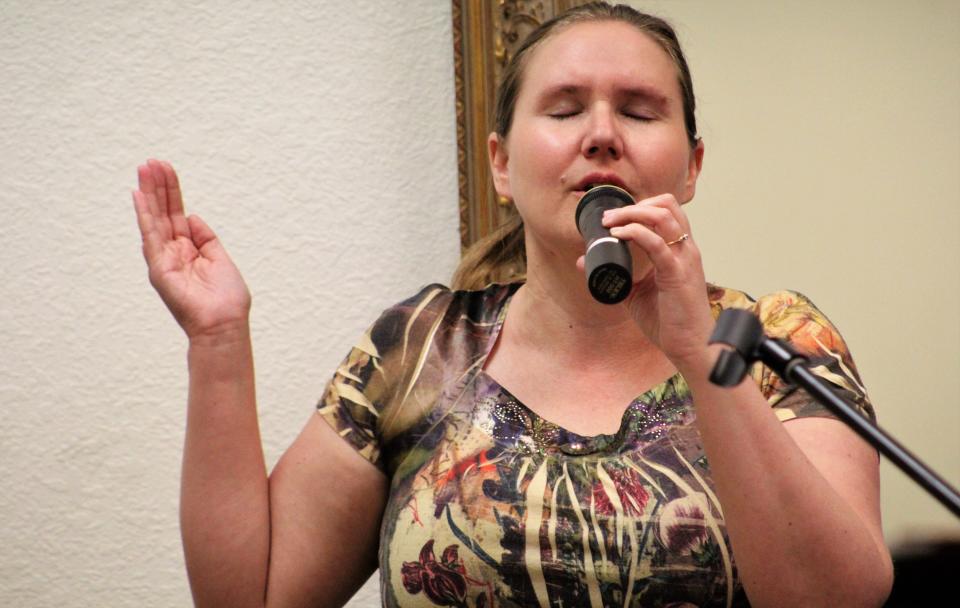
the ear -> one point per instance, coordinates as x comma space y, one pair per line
693, 171
497, 154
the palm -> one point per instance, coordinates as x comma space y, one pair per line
643, 305
187, 264
673, 313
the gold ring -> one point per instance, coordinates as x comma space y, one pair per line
682, 238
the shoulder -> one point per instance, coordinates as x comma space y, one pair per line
783, 313
473, 302
792, 317
437, 303
436, 297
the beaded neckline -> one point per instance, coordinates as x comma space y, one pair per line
643, 419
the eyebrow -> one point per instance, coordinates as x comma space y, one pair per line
641, 92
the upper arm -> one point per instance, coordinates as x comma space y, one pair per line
326, 502
849, 464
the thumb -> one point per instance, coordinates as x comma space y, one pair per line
205, 240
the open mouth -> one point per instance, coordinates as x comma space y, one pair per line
582, 190
600, 179
591, 186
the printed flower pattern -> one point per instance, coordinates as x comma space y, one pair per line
543, 516
444, 582
682, 524
630, 492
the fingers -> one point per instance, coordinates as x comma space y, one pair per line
164, 201
174, 201
664, 260
152, 243
652, 224
160, 186
172, 183
205, 240
662, 214
148, 187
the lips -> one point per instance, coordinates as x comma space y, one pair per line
599, 179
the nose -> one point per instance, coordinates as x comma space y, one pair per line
603, 136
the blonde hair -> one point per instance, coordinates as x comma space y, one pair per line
500, 257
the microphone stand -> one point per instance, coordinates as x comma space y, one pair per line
741, 330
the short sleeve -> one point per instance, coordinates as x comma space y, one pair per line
365, 386
792, 317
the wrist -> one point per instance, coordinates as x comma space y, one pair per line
222, 356
225, 335
696, 366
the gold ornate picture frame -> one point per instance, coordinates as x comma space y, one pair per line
485, 35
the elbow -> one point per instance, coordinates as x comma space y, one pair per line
867, 587
876, 581
884, 581
869, 592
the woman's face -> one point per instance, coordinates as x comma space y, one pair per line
600, 102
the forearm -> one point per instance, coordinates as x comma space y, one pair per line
224, 505
796, 540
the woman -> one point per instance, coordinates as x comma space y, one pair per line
491, 442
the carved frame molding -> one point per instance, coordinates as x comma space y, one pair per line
485, 35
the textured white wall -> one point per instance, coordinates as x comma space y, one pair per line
318, 139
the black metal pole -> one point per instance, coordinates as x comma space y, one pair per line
743, 331
888, 446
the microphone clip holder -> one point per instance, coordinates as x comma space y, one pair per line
741, 330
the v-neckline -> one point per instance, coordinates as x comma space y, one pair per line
573, 443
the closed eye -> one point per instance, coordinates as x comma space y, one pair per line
564, 115
641, 116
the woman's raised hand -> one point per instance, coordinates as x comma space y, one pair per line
188, 266
670, 303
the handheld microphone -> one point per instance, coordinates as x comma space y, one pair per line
608, 264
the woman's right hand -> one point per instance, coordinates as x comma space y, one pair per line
187, 264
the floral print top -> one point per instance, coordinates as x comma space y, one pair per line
490, 505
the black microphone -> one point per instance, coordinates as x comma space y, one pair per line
608, 264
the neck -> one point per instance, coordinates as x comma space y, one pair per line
554, 310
